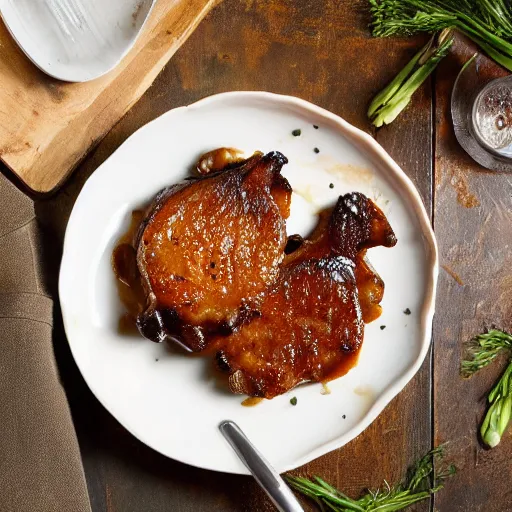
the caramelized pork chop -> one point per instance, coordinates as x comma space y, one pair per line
209, 246
310, 323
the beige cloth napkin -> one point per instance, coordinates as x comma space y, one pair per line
40, 464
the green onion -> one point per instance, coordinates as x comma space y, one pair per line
498, 416
416, 487
386, 106
388, 92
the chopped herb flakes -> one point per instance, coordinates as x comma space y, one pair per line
293, 400
331, 185
344, 416
296, 133
315, 127
407, 311
382, 327
316, 150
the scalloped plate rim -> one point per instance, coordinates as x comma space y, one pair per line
427, 312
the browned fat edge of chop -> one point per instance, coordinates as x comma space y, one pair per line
209, 247
311, 323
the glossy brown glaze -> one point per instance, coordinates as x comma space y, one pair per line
129, 285
370, 288
252, 401
209, 247
341, 230
310, 325
210, 268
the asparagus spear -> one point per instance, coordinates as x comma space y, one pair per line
390, 90
386, 106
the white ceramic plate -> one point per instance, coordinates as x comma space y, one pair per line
171, 401
75, 40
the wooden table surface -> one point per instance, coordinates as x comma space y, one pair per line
321, 50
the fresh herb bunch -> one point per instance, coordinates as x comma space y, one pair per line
416, 487
483, 349
487, 22
386, 106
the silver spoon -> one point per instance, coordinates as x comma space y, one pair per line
266, 476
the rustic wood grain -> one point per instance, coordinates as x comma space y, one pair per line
48, 126
473, 223
320, 51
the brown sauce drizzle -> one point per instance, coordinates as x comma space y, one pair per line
129, 284
370, 288
251, 401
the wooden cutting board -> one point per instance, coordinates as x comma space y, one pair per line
48, 126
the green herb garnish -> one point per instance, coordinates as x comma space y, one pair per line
296, 133
316, 150
407, 311
386, 106
416, 487
487, 22
331, 185
482, 350
293, 400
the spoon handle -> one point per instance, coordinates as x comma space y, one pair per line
266, 476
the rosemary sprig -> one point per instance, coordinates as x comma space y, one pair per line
416, 487
483, 349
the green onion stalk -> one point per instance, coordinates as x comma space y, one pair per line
487, 22
386, 106
482, 351
498, 415
421, 482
